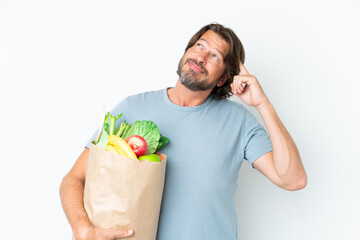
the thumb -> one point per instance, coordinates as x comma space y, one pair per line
113, 233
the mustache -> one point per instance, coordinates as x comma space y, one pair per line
197, 64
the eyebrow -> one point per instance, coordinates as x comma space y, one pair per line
202, 39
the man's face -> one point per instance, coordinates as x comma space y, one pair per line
202, 65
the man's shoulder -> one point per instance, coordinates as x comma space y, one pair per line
143, 96
229, 104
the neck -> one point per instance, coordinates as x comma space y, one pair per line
181, 95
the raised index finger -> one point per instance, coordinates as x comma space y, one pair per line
243, 69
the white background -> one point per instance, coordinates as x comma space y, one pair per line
60, 60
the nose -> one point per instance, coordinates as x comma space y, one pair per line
201, 58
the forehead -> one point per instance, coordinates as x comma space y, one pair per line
214, 40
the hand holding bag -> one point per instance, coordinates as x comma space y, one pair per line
124, 193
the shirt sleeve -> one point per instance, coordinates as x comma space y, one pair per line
118, 109
257, 140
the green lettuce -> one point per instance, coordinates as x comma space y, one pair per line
162, 142
149, 131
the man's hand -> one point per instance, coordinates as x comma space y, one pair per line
252, 93
93, 233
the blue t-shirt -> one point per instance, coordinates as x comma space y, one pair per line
207, 145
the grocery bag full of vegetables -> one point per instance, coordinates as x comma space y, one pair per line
125, 177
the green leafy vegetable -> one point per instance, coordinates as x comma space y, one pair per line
104, 138
162, 142
106, 121
107, 129
146, 129
149, 131
120, 129
112, 123
126, 129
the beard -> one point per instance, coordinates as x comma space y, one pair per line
192, 79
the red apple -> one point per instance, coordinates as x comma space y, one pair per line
137, 144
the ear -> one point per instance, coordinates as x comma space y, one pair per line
222, 81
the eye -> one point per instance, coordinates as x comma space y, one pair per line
215, 56
199, 45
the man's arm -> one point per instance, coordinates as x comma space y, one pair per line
283, 165
72, 194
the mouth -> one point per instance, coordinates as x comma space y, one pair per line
196, 67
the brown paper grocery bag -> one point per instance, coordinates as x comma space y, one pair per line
124, 193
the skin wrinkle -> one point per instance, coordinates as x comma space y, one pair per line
222, 55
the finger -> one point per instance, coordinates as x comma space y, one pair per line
245, 79
243, 69
241, 80
240, 88
124, 233
113, 234
233, 90
238, 85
